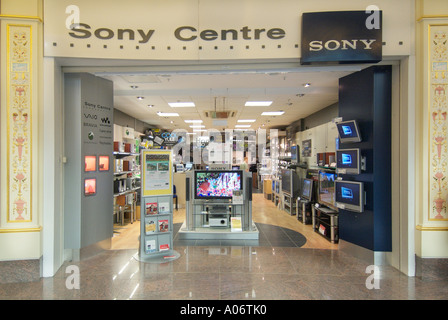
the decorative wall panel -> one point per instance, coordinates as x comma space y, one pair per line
19, 123
438, 108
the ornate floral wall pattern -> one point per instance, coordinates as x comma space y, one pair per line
438, 160
19, 123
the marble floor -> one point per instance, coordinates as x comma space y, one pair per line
285, 264
227, 273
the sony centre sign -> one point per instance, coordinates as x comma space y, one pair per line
341, 37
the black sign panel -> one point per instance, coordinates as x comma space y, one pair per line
341, 37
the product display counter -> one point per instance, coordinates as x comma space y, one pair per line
217, 212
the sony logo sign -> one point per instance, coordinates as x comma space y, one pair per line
341, 37
332, 45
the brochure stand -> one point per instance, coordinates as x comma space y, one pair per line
156, 223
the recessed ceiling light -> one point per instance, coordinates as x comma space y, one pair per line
181, 104
193, 121
249, 120
140, 98
306, 85
150, 106
197, 126
273, 113
134, 87
258, 103
167, 114
242, 126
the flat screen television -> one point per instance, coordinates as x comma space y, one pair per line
348, 131
350, 195
290, 182
348, 161
217, 184
295, 154
326, 192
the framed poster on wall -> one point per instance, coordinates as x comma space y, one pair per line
157, 169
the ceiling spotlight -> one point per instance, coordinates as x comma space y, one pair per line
134, 87
150, 106
306, 85
300, 95
140, 98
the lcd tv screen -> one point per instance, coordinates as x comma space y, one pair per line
89, 163
286, 181
349, 195
103, 163
348, 161
217, 184
348, 131
326, 188
295, 154
307, 189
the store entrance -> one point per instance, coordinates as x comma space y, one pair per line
306, 102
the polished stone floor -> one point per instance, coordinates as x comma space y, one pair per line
227, 273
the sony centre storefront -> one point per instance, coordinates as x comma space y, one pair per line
102, 36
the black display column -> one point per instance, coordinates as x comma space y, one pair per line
365, 96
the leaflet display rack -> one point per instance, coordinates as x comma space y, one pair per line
156, 225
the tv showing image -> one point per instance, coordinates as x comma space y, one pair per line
350, 195
348, 161
326, 195
217, 184
89, 163
295, 154
307, 189
90, 187
103, 163
348, 131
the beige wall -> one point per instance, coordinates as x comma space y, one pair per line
431, 133
21, 239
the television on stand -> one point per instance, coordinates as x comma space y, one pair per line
326, 189
290, 182
348, 161
217, 184
307, 190
350, 195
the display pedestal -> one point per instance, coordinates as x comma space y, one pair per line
167, 257
217, 233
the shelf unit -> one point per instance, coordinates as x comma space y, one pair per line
325, 223
289, 204
304, 211
215, 215
126, 184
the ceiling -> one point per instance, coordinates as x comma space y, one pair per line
225, 91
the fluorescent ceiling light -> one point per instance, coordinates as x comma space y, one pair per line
251, 120
197, 126
199, 130
181, 104
193, 121
258, 103
167, 114
242, 126
273, 113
